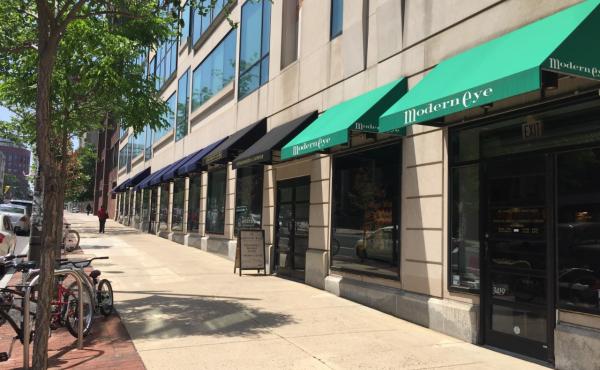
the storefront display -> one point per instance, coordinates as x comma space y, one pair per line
365, 212
215, 205
248, 198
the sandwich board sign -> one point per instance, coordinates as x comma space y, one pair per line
250, 251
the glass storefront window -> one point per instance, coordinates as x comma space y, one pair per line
178, 200
138, 206
194, 203
578, 229
365, 193
248, 198
153, 206
464, 243
164, 207
215, 204
146, 205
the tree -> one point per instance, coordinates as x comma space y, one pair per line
80, 175
64, 66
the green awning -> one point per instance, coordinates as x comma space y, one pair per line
333, 126
566, 43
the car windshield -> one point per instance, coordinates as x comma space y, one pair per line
5, 208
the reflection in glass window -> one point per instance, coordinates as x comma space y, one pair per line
137, 144
145, 205
194, 204
153, 206
164, 208
248, 198
138, 207
201, 22
186, 19
166, 60
578, 187
181, 127
254, 46
170, 118
148, 143
365, 190
464, 249
178, 199
337, 18
215, 72
215, 203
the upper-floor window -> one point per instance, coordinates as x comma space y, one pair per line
152, 67
181, 127
289, 32
170, 118
166, 62
129, 153
202, 18
148, 143
186, 20
337, 18
123, 157
215, 72
254, 46
122, 130
137, 144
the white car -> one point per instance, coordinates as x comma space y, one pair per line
18, 216
8, 240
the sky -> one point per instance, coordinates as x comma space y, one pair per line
4, 114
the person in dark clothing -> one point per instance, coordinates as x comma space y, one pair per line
88, 209
102, 216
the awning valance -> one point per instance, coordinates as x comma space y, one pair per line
510, 65
334, 125
261, 152
194, 163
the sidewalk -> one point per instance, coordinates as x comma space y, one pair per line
185, 309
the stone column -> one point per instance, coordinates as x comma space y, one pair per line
186, 196
230, 210
202, 210
268, 215
317, 255
133, 210
157, 215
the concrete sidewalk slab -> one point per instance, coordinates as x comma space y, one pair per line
185, 309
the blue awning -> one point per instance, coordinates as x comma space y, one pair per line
121, 187
194, 161
170, 171
146, 182
139, 177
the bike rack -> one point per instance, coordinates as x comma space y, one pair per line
27, 318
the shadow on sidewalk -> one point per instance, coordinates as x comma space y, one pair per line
169, 316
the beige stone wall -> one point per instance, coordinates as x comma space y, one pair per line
381, 41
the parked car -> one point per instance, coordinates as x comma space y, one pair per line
8, 241
18, 216
377, 244
75, 209
26, 203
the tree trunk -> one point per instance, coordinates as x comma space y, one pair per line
51, 209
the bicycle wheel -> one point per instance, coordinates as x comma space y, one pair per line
72, 240
105, 297
71, 314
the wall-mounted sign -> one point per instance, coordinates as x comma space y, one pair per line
532, 129
250, 252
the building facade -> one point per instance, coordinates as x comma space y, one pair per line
17, 160
433, 160
105, 178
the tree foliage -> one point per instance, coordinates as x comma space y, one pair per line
80, 175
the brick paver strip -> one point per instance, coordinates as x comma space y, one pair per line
108, 346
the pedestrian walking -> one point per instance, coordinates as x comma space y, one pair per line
102, 216
88, 209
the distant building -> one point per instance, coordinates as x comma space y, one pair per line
105, 178
17, 160
2, 176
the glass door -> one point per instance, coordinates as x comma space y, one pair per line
293, 198
517, 301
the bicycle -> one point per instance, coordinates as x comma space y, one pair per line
70, 239
100, 291
11, 306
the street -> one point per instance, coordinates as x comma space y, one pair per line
185, 309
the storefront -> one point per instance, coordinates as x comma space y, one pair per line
524, 189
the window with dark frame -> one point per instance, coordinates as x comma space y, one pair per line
365, 219
169, 117
248, 198
215, 202
178, 200
215, 71
194, 203
181, 125
337, 18
254, 46
289, 32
